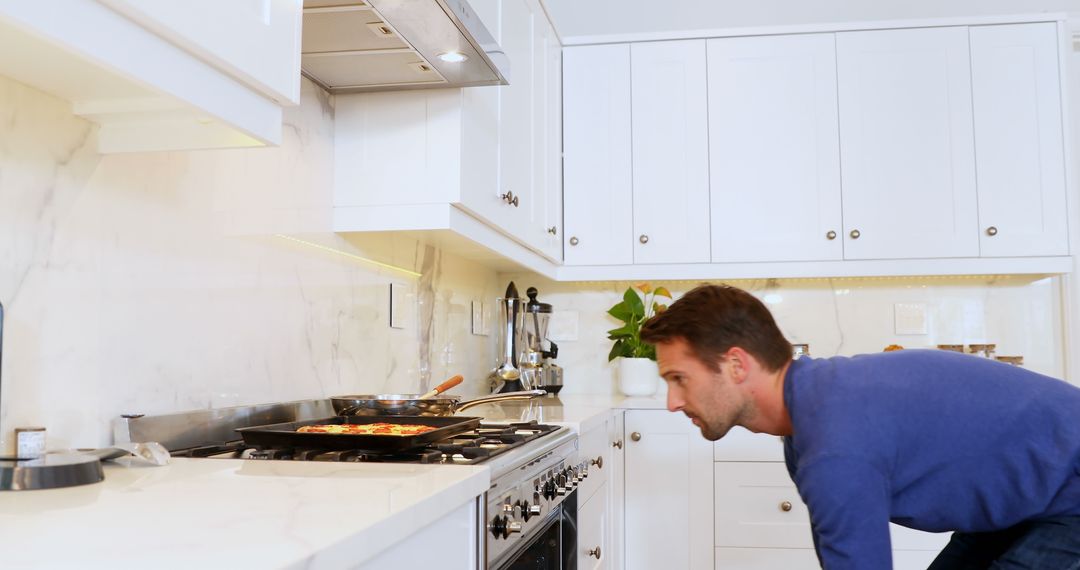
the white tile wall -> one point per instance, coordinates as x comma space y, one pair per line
164, 282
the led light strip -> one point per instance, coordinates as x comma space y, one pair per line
348, 255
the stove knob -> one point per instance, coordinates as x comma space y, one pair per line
512, 528
524, 508
498, 527
549, 489
535, 509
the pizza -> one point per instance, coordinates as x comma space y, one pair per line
380, 428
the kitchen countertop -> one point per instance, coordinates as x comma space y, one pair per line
231, 513
580, 412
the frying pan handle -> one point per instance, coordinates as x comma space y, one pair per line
522, 395
443, 387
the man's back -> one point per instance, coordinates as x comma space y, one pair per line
932, 440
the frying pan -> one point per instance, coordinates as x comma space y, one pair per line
285, 434
413, 405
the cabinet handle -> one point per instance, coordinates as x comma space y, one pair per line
510, 199
785, 506
643, 239
598, 462
636, 436
595, 552
553, 230
617, 444
574, 240
991, 231
831, 235
855, 234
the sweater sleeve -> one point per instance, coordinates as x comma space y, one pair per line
848, 500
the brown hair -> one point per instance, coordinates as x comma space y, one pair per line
714, 318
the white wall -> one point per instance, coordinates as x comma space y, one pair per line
151, 283
1021, 314
591, 18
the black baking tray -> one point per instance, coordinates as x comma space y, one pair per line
285, 434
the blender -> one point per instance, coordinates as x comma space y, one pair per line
537, 368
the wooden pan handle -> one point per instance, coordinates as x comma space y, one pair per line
443, 387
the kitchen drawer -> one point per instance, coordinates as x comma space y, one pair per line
750, 501
743, 445
766, 559
594, 447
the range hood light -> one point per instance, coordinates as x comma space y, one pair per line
453, 57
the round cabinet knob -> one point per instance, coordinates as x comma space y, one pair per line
617, 444
553, 230
598, 462
643, 239
595, 552
574, 240
636, 436
831, 235
509, 198
785, 506
855, 234
991, 231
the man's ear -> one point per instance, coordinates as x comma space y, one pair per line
741, 363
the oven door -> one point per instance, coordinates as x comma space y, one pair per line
554, 547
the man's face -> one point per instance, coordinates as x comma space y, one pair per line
709, 398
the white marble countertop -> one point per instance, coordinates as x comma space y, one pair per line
225, 513
580, 412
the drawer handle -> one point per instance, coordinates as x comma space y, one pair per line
598, 462
617, 444
509, 198
785, 506
991, 231
595, 552
574, 240
855, 234
643, 238
553, 230
831, 235
636, 436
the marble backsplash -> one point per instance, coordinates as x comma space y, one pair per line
151, 283
1021, 314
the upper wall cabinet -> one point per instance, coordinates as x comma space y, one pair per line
774, 157
1018, 140
906, 140
156, 76
670, 142
597, 191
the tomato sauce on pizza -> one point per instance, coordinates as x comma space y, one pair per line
379, 428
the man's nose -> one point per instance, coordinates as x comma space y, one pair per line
674, 399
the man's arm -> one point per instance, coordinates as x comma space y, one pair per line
849, 501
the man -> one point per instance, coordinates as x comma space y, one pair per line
931, 440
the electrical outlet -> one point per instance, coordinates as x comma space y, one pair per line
910, 318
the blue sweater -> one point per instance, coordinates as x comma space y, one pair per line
928, 439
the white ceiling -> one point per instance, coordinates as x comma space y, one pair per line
614, 17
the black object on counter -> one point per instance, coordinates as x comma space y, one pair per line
285, 434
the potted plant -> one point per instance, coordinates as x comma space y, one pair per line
638, 374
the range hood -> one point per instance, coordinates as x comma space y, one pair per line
382, 45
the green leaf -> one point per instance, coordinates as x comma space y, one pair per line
663, 292
623, 331
621, 312
633, 302
620, 348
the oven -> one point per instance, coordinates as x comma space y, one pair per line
554, 546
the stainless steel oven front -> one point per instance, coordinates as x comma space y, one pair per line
531, 513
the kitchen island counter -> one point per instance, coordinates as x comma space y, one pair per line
226, 513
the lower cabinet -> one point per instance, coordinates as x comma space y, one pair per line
450, 542
669, 492
594, 531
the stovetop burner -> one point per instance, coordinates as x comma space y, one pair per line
469, 448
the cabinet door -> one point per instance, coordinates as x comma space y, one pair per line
669, 490
906, 144
593, 531
757, 505
774, 156
256, 41
616, 493
1018, 140
670, 141
548, 226
516, 120
597, 189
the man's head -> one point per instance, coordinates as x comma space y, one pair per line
713, 345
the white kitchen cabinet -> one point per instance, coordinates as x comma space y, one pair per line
122, 67
670, 151
450, 542
1020, 158
906, 144
774, 156
669, 490
594, 531
256, 41
548, 156
597, 192
616, 490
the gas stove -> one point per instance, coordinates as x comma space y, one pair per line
530, 507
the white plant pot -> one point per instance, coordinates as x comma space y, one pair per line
638, 376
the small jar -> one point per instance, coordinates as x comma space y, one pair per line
799, 350
951, 347
1014, 360
983, 350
